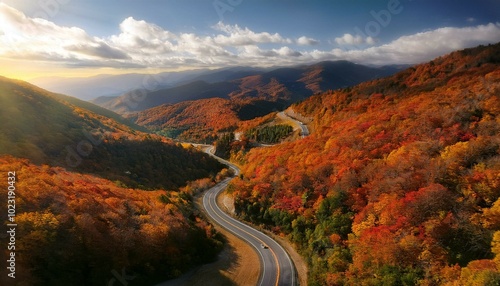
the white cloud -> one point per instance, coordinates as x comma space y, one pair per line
98, 49
348, 39
142, 37
253, 51
23, 37
143, 44
200, 46
305, 41
287, 52
419, 47
427, 45
371, 41
236, 36
471, 19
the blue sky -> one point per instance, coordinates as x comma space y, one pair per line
117, 36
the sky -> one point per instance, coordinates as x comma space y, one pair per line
89, 37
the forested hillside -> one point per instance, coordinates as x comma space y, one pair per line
269, 134
198, 111
198, 120
399, 183
76, 229
57, 130
94, 197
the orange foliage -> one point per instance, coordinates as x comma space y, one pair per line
415, 156
74, 229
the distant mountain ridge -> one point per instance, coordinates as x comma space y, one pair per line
107, 85
88, 88
187, 110
283, 85
140, 99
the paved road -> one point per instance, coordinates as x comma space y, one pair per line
303, 128
277, 267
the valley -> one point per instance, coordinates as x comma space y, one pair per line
187, 109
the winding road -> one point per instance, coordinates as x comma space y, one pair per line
304, 131
277, 267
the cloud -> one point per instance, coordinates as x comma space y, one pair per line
236, 36
140, 44
100, 50
305, 41
142, 37
427, 45
419, 47
287, 52
200, 46
471, 19
348, 39
39, 39
99, 63
370, 41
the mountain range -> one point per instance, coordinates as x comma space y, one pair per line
281, 86
107, 85
187, 111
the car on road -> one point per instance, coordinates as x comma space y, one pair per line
264, 246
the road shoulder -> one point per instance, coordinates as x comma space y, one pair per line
237, 265
226, 203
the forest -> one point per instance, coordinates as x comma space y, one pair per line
95, 197
269, 134
192, 121
76, 229
399, 182
51, 129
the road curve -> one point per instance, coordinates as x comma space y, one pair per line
304, 131
277, 267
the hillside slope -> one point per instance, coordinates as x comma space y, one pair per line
100, 111
399, 184
138, 100
95, 198
46, 128
198, 120
75, 229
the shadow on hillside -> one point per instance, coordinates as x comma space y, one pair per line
210, 274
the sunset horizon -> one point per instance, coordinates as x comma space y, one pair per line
71, 39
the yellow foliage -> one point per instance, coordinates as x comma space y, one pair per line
495, 248
38, 220
479, 273
491, 216
368, 222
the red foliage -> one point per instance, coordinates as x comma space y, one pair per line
98, 226
417, 156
